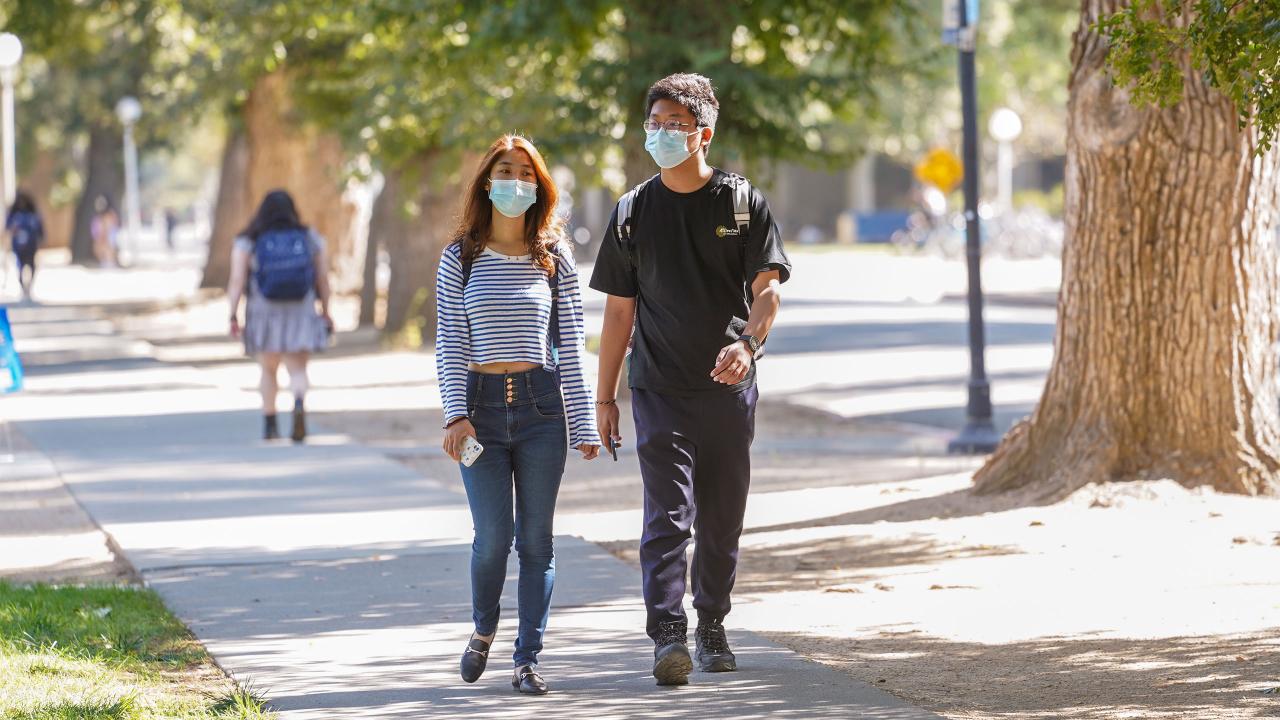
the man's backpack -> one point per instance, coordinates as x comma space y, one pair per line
27, 232
624, 227
286, 269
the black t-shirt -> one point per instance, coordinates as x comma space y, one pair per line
692, 282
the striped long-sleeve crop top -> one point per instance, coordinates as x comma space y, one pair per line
503, 317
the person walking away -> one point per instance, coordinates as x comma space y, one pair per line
170, 225
283, 265
103, 229
693, 259
26, 234
509, 348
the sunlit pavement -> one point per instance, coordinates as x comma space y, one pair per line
330, 576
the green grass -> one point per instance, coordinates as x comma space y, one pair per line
107, 653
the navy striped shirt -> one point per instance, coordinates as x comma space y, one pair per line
504, 318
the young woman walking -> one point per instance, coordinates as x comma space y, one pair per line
509, 356
283, 265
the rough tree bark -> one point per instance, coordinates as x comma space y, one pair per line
380, 226
40, 179
285, 152
104, 177
421, 224
1165, 363
282, 151
230, 212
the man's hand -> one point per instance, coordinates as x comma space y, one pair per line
454, 437
733, 363
607, 423
589, 451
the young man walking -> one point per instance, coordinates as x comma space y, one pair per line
693, 260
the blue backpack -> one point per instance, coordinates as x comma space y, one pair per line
285, 268
27, 232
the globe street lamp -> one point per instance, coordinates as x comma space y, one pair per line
1005, 126
129, 110
10, 56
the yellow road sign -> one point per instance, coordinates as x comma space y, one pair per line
941, 169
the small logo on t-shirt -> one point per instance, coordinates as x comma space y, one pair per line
723, 231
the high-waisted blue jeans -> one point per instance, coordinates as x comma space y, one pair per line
519, 419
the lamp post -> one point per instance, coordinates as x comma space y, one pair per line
10, 56
129, 110
979, 433
1005, 126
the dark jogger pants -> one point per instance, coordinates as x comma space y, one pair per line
695, 460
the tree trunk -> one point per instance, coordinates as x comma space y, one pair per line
104, 177
285, 152
421, 224
231, 210
40, 179
380, 226
1165, 363
636, 161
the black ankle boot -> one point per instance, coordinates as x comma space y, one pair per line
269, 429
712, 648
299, 422
671, 661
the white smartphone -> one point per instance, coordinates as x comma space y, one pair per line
471, 449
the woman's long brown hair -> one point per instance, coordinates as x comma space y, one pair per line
543, 229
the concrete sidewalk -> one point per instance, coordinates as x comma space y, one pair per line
335, 579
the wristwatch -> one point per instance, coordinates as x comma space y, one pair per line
753, 345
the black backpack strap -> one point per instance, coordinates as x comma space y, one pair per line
741, 189
553, 324
625, 224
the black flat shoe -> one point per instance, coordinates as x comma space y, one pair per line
269, 429
474, 659
528, 682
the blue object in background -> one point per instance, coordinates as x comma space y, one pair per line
879, 225
10, 364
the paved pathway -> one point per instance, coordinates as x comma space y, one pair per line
335, 579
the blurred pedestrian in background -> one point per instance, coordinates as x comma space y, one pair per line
26, 233
282, 264
105, 229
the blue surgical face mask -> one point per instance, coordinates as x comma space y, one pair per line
512, 197
668, 148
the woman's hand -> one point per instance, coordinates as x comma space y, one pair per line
454, 437
589, 451
235, 327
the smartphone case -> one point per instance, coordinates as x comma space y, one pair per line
471, 449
